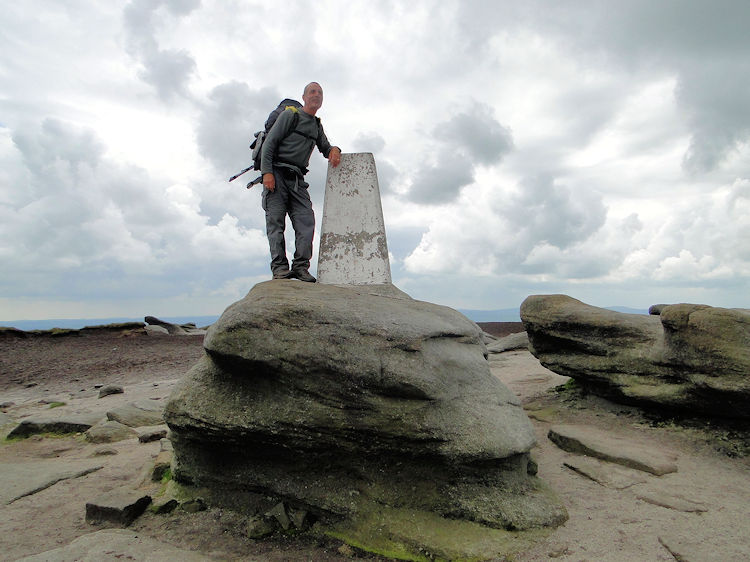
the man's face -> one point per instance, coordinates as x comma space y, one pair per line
313, 96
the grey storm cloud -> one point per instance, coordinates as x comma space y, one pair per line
375, 143
228, 120
546, 212
703, 44
57, 145
715, 97
77, 213
167, 70
465, 140
368, 142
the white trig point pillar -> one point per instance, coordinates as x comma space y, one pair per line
353, 247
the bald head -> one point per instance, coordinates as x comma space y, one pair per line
304, 92
312, 97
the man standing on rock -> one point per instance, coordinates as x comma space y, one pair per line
286, 154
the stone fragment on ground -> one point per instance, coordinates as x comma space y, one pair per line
164, 506
138, 414
604, 473
120, 507
194, 505
109, 432
162, 464
110, 389
65, 423
24, 479
604, 445
260, 526
278, 512
114, 545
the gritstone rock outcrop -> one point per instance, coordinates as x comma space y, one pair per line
690, 357
344, 401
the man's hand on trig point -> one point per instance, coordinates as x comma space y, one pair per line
334, 156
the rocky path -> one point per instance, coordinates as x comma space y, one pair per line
619, 508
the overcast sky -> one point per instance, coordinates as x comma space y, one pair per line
597, 149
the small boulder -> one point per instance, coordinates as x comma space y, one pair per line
109, 432
121, 507
69, 423
259, 527
511, 342
138, 414
156, 331
152, 433
110, 389
172, 329
194, 505
279, 513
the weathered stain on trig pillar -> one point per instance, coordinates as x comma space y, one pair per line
353, 247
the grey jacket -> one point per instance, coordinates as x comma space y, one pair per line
284, 147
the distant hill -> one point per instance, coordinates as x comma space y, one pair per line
501, 315
78, 323
514, 314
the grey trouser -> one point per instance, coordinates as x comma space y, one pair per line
289, 196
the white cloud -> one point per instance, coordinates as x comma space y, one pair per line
600, 150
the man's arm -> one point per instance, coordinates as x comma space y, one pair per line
278, 132
333, 153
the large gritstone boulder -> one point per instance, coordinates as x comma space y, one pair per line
346, 401
690, 357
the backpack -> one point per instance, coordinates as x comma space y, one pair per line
257, 144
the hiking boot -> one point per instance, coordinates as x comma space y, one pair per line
302, 275
282, 274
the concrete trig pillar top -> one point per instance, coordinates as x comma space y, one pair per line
353, 247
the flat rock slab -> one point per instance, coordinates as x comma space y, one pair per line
390, 530
109, 432
60, 425
691, 548
612, 448
114, 545
509, 343
138, 414
121, 506
24, 479
672, 501
606, 474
